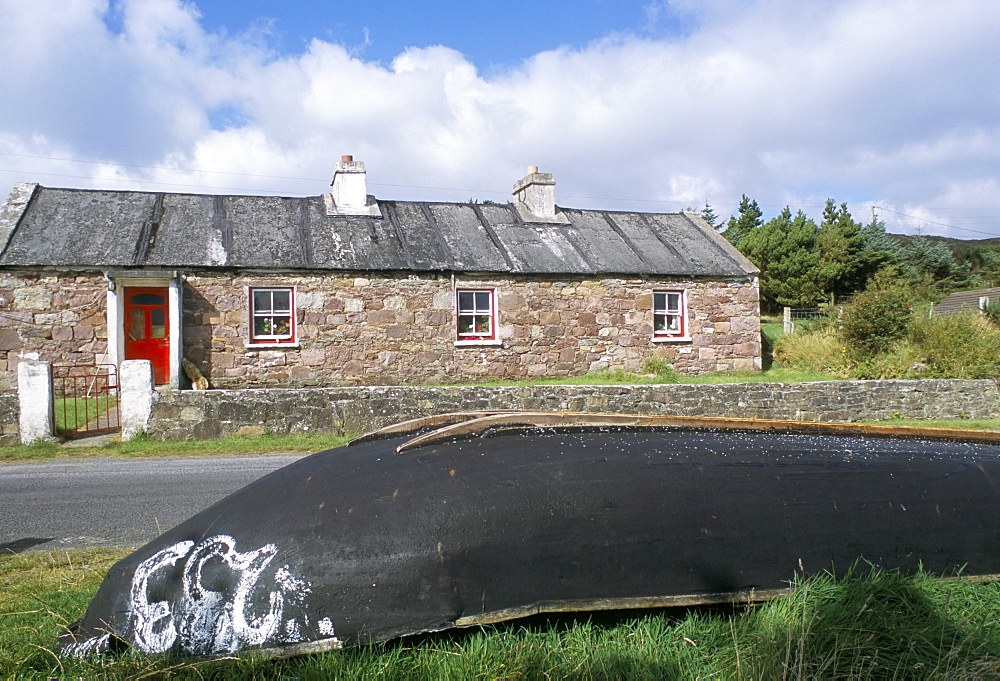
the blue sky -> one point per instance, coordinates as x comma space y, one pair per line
654, 105
490, 34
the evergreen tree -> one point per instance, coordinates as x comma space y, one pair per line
750, 219
839, 243
709, 216
879, 251
785, 251
926, 259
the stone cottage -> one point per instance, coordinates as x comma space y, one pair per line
347, 289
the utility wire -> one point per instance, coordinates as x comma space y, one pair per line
374, 184
932, 222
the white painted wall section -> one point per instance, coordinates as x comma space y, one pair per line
136, 377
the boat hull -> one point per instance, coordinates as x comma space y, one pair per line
364, 543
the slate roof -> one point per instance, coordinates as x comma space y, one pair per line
966, 301
76, 228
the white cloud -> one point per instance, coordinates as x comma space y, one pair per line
788, 101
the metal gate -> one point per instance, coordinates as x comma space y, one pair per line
85, 399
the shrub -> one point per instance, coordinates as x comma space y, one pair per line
897, 362
957, 346
875, 320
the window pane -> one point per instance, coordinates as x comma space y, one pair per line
137, 324
465, 323
482, 324
659, 301
281, 301
147, 299
673, 302
482, 301
261, 301
465, 301
157, 323
281, 325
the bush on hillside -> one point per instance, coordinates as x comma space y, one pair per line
957, 346
875, 320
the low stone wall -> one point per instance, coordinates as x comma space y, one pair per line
215, 413
10, 413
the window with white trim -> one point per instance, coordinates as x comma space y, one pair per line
669, 315
272, 315
476, 314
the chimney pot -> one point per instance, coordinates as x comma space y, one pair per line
347, 158
532, 169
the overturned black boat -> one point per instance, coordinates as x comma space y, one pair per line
462, 519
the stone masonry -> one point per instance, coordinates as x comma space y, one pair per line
58, 319
215, 413
400, 329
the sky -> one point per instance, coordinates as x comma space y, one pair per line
890, 106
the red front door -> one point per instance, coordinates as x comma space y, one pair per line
147, 328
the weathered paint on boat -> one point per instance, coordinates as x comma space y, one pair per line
507, 514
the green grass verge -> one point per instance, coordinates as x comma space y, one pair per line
146, 447
881, 625
619, 377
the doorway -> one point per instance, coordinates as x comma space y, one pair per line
147, 328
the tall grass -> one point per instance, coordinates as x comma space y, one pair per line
965, 346
952, 346
878, 625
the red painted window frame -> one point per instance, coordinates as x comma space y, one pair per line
666, 311
272, 339
476, 311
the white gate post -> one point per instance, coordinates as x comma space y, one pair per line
34, 396
136, 405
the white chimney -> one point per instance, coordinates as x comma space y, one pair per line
535, 197
350, 190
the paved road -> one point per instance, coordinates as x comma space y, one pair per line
114, 502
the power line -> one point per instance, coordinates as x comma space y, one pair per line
932, 222
374, 184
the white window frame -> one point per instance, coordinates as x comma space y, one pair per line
282, 340
473, 337
670, 304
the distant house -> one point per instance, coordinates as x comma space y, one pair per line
968, 301
347, 289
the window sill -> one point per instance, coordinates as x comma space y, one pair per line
671, 339
271, 346
464, 343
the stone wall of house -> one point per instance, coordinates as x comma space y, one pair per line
215, 413
62, 320
401, 329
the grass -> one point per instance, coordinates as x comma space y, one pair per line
876, 625
952, 346
72, 413
147, 447
782, 374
